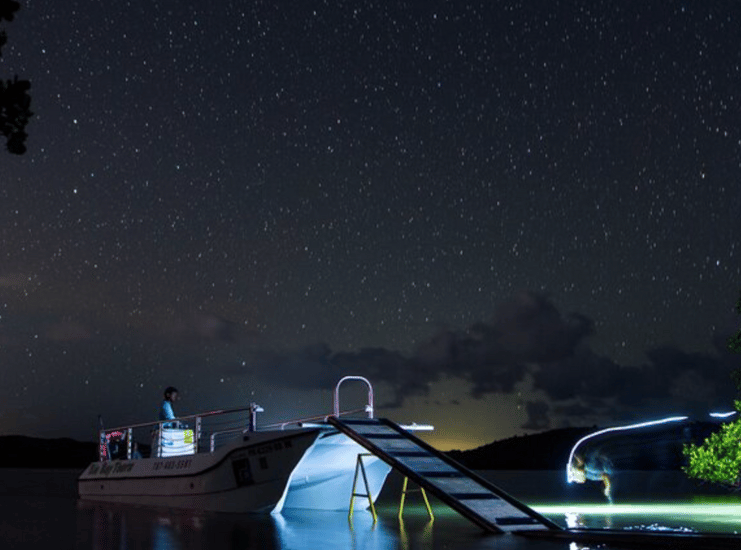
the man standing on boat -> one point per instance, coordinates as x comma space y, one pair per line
166, 411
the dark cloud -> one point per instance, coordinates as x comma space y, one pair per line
406, 377
575, 410
672, 381
530, 328
537, 416
583, 373
492, 356
307, 368
528, 336
526, 328
527, 339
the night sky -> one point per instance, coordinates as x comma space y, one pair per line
510, 216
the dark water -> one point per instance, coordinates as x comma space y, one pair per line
39, 510
56, 522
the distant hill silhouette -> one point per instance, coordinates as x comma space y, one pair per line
19, 451
542, 451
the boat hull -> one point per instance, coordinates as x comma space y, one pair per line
324, 478
250, 475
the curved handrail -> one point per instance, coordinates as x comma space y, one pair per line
368, 408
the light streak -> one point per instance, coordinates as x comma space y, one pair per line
722, 415
570, 476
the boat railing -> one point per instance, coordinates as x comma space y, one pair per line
184, 435
179, 436
299, 421
296, 422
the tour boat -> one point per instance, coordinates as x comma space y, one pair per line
220, 461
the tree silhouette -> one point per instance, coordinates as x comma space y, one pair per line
718, 458
15, 102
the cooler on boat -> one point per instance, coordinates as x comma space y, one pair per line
175, 442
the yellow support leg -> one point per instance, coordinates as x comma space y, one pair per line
404, 492
360, 467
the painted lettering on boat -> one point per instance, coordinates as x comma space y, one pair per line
268, 448
172, 464
107, 468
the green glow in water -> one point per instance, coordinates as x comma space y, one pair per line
675, 509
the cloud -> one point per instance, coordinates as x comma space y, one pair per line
318, 367
537, 416
492, 356
583, 373
526, 328
671, 381
527, 339
530, 328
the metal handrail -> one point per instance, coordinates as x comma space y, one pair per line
280, 425
252, 409
368, 407
179, 419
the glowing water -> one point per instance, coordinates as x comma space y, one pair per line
717, 517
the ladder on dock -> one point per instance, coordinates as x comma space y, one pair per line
463, 490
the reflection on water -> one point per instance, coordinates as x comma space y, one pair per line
44, 522
106, 526
716, 516
129, 527
425, 536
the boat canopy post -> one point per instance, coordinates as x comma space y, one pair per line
197, 437
368, 407
159, 440
102, 446
254, 409
129, 442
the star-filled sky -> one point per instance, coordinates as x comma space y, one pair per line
511, 216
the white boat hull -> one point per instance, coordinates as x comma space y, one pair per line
323, 480
250, 475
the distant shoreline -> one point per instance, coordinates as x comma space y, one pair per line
547, 450
516, 453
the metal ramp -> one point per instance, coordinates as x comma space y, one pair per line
463, 490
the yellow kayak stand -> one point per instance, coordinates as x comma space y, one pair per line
360, 467
404, 492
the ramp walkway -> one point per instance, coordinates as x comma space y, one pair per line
469, 494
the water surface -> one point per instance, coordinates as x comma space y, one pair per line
39, 509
